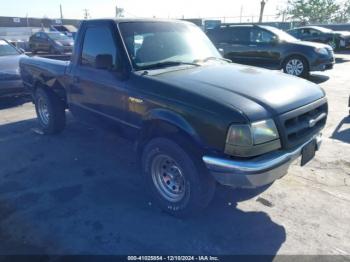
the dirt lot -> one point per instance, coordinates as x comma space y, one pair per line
81, 193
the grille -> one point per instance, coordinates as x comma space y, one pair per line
300, 125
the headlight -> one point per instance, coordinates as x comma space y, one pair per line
264, 131
58, 43
251, 140
321, 51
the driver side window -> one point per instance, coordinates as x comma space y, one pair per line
261, 36
314, 32
98, 41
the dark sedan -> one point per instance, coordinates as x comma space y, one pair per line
336, 39
10, 79
269, 47
51, 42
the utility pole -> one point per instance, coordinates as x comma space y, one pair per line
241, 14
27, 20
262, 8
119, 12
61, 12
86, 14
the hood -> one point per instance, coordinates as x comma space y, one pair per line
9, 66
256, 92
343, 33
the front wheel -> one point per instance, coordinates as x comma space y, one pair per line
296, 66
50, 111
175, 181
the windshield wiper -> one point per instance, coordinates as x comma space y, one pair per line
212, 58
167, 64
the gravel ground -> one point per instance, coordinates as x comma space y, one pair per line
81, 193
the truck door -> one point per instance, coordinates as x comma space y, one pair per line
98, 94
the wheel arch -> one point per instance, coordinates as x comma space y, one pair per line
53, 86
169, 124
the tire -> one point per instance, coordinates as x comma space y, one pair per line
50, 111
174, 180
297, 66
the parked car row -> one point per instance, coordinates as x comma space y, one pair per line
335, 39
269, 47
10, 80
51, 42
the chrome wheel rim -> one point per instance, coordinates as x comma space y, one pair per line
168, 178
295, 67
43, 111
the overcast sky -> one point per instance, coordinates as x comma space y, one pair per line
137, 8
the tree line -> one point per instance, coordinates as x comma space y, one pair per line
317, 11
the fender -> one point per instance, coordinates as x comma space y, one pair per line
174, 119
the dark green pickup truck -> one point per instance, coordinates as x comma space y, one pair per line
196, 118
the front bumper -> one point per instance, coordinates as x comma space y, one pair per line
323, 65
64, 49
255, 172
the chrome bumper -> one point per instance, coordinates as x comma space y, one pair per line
255, 172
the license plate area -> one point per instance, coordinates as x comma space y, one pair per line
308, 152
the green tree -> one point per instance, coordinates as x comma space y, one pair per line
313, 11
344, 13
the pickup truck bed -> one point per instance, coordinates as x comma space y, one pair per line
43, 69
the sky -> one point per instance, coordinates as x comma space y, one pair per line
138, 8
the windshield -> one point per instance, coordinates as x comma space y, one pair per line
7, 49
155, 43
284, 36
58, 36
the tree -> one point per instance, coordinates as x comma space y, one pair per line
313, 11
344, 13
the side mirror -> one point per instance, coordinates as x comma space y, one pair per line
104, 61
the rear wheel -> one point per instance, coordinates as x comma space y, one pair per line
175, 181
297, 66
50, 111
